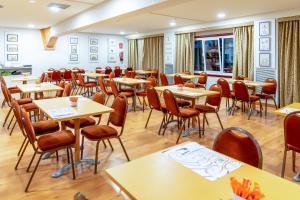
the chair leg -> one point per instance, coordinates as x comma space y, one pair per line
68, 156
13, 127
72, 162
283, 163
27, 170
7, 115
24, 141
110, 145
56, 152
294, 160
104, 144
82, 147
266, 106
148, 118
22, 153
203, 123
166, 125
260, 107
199, 122
161, 124
99, 120
219, 120
233, 107
3, 103
275, 103
180, 130
36, 166
123, 148
10, 122
206, 121
96, 157
107, 99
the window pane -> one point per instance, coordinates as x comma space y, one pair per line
198, 62
228, 55
212, 57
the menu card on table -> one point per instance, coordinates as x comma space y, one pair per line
205, 162
62, 112
288, 110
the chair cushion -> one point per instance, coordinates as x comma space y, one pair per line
254, 98
99, 132
205, 108
85, 121
90, 84
30, 106
182, 103
188, 112
46, 126
55, 140
24, 101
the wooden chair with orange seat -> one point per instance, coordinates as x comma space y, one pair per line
241, 94
246, 148
202, 80
291, 139
143, 94
226, 91
87, 87
268, 92
182, 114
212, 105
104, 89
100, 133
47, 143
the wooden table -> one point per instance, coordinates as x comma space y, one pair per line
61, 70
146, 72
25, 79
94, 75
26, 89
251, 83
287, 109
133, 83
184, 76
86, 107
158, 177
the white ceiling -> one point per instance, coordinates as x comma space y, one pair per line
193, 12
20, 13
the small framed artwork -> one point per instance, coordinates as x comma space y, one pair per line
73, 57
12, 37
93, 41
265, 60
265, 44
112, 58
74, 49
12, 57
93, 49
93, 57
11, 48
73, 40
264, 28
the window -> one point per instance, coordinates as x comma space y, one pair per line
214, 54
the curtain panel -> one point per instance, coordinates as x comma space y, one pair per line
184, 52
289, 61
132, 53
243, 58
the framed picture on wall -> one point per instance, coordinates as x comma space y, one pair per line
112, 58
93, 49
265, 60
265, 44
12, 37
264, 28
73, 40
12, 57
93, 57
11, 48
74, 49
74, 57
93, 41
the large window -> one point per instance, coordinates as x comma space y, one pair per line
214, 54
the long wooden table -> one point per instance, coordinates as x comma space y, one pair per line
158, 177
25, 79
287, 109
251, 83
26, 89
184, 76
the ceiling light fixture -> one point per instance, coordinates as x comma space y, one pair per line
56, 7
221, 15
122, 32
30, 25
173, 23
32, 1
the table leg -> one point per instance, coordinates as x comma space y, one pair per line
134, 98
77, 137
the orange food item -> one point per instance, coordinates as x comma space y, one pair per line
73, 99
245, 190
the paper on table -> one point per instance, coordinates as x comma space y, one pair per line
62, 112
205, 162
288, 110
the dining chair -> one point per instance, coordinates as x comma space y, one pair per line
178, 80
98, 70
202, 80
99, 97
241, 77
87, 87
241, 94
67, 75
182, 114
104, 89
239, 144
226, 91
48, 143
67, 90
116, 92
212, 105
269, 92
291, 138
118, 71
12, 90
56, 76
163, 79
100, 133
129, 68
190, 84
152, 83
108, 70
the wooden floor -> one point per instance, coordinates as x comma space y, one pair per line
139, 142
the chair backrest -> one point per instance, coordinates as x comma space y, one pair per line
75, 68
127, 74
51, 69
178, 79
114, 88
189, 84
152, 83
17, 112
170, 102
7, 96
111, 75
202, 78
99, 97
2, 80
187, 73
155, 73
56, 75
132, 74
291, 131
225, 87
98, 70
240, 77
215, 99
67, 90
239, 144
28, 126
68, 74
270, 90
153, 98
163, 79
118, 71
129, 69
59, 93
108, 70
102, 85
80, 79
118, 116
240, 91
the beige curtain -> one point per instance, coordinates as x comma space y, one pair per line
184, 52
289, 61
243, 59
153, 53
132, 53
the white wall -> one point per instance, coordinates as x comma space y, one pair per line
32, 52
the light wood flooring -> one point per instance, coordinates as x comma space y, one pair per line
138, 142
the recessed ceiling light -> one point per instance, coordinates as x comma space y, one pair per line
32, 1
55, 7
221, 15
173, 23
122, 32
30, 25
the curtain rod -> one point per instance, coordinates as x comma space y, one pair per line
292, 18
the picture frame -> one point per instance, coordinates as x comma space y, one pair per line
12, 57
93, 49
265, 28
265, 60
112, 58
12, 37
73, 57
93, 57
93, 41
73, 40
265, 44
74, 49
12, 48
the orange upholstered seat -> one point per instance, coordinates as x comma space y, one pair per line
47, 126
85, 121
52, 141
98, 132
